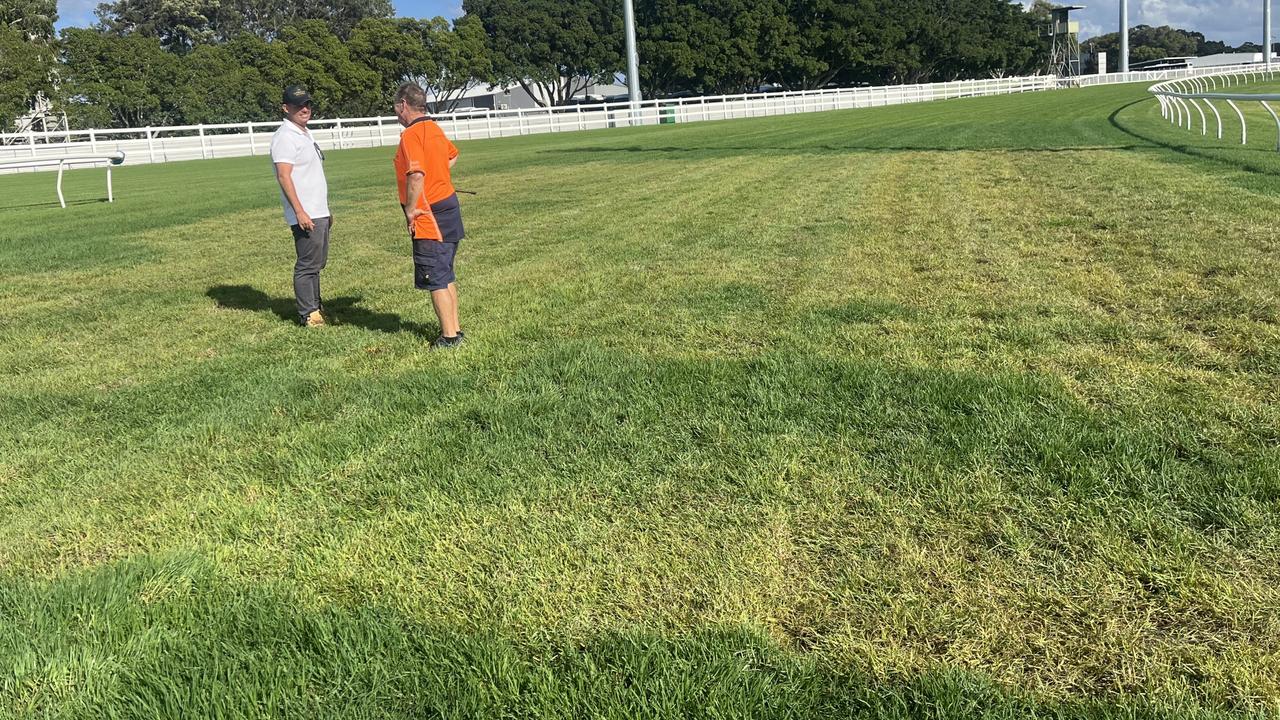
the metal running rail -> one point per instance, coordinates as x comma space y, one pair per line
1178, 97
108, 159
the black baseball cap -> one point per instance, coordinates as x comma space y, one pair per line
296, 95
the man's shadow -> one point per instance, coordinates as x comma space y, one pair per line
341, 310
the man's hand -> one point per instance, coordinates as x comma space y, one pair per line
411, 217
305, 222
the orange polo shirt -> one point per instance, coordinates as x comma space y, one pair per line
425, 149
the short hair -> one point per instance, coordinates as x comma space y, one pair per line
412, 95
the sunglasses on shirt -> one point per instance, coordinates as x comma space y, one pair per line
318, 150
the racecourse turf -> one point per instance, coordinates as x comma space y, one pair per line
965, 409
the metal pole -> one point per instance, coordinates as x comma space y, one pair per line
1266, 32
1124, 36
633, 57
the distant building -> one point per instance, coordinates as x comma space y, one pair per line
1187, 63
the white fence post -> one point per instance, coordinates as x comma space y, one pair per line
253, 146
151, 144
204, 153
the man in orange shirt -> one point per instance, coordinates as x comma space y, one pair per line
431, 208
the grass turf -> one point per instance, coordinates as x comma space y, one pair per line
951, 410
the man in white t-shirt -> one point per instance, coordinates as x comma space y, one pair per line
299, 165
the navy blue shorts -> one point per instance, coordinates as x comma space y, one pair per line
433, 260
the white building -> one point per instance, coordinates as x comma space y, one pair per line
1185, 63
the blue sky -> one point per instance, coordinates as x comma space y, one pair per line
1233, 21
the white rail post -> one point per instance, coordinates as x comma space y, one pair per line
1216, 114
110, 195
253, 146
1275, 117
204, 154
31, 139
93, 143
61, 200
1244, 126
1204, 121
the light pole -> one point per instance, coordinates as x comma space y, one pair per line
633, 57
1124, 36
1266, 32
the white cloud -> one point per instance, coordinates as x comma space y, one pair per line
1232, 21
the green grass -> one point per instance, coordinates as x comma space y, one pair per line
953, 410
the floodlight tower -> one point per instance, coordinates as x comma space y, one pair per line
1064, 57
1124, 36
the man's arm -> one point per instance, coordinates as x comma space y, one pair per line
412, 191
284, 175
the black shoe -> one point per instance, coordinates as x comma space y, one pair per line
446, 343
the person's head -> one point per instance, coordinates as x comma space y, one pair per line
410, 103
296, 105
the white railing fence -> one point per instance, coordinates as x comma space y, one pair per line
1157, 75
1178, 97
192, 142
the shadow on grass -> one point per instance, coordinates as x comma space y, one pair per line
170, 638
341, 310
53, 204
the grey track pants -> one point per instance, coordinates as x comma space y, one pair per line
313, 254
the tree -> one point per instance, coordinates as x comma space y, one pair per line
459, 57
320, 61
1147, 43
111, 81
394, 51
554, 49
28, 59
33, 18
216, 87
268, 71
939, 40
181, 25
718, 46
342, 16
835, 36
178, 25
25, 71
674, 38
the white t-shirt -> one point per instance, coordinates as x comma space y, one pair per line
291, 144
